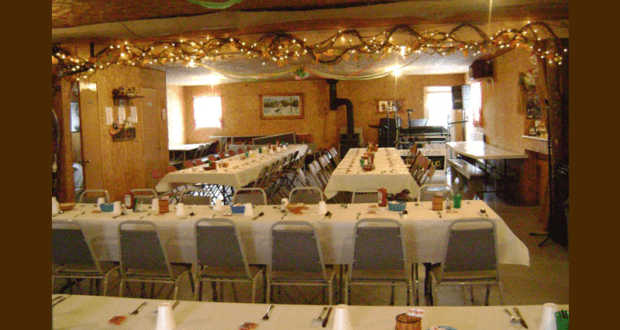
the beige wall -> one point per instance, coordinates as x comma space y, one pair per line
241, 106
176, 115
503, 105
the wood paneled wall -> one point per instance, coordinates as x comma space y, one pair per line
123, 163
241, 106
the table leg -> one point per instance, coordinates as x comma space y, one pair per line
428, 288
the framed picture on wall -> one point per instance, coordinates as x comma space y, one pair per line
281, 106
384, 106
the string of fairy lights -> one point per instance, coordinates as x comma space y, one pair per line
284, 49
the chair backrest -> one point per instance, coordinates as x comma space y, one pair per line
302, 177
471, 246
222, 154
188, 164
262, 176
91, 196
427, 192
141, 248
231, 153
378, 244
171, 169
416, 162
365, 196
158, 173
428, 175
70, 247
219, 244
198, 162
325, 163
212, 148
144, 195
256, 196
295, 248
317, 173
212, 158
198, 151
193, 196
306, 195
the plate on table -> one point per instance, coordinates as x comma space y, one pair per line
444, 327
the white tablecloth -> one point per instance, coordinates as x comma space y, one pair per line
94, 312
390, 173
424, 231
238, 173
481, 150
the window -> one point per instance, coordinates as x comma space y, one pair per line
208, 111
437, 105
473, 112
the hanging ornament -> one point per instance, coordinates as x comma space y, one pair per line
300, 74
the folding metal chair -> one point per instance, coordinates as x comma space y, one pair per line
470, 257
296, 258
145, 196
364, 196
256, 196
220, 257
306, 195
379, 258
92, 195
73, 258
144, 259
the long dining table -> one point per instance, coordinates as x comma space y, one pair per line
424, 230
79, 312
390, 172
239, 172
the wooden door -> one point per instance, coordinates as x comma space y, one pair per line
92, 164
152, 126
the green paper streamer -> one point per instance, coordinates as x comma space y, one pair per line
215, 5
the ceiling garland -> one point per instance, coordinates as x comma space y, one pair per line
287, 50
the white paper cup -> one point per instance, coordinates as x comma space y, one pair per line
180, 209
341, 318
249, 212
218, 204
322, 207
548, 321
117, 208
165, 318
55, 207
155, 205
284, 203
100, 201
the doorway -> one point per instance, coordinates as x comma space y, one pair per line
76, 140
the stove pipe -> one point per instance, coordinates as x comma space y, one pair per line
350, 140
335, 102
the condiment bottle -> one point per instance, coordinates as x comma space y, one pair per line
382, 197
